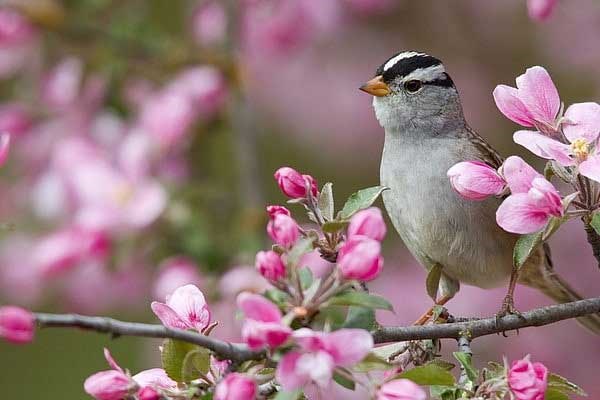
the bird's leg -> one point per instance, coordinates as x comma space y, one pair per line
508, 305
439, 302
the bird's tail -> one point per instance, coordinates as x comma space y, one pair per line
553, 286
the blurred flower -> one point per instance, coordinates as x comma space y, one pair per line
541, 10
535, 101
360, 258
204, 86
293, 184
209, 24
17, 37
270, 265
401, 389
263, 325
283, 230
186, 308
532, 202
236, 386
527, 380
17, 325
368, 223
14, 119
319, 354
313, 261
475, 180
173, 273
4, 147
241, 279
61, 86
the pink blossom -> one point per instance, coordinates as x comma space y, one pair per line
319, 266
475, 180
109, 385
527, 380
401, 389
541, 10
518, 174
240, 279
275, 210
186, 308
62, 85
236, 386
148, 393
319, 353
173, 273
535, 101
156, 378
543, 146
528, 212
368, 223
263, 325
582, 121
205, 86
17, 325
14, 119
293, 184
283, 230
4, 147
17, 37
209, 23
270, 265
360, 258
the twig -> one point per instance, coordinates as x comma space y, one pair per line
226, 350
464, 346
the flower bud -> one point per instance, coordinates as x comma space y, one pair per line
148, 393
368, 223
108, 385
270, 265
16, 324
236, 386
274, 210
293, 184
475, 180
360, 258
284, 230
401, 389
527, 380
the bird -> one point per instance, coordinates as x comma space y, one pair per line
418, 105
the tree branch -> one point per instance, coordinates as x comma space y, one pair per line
593, 239
487, 326
239, 352
231, 351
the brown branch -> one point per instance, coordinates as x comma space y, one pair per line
593, 239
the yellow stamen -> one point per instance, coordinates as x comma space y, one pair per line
123, 194
580, 149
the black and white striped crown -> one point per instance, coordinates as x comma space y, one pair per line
411, 65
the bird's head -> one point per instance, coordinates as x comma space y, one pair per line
413, 88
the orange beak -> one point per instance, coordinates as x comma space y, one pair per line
376, 87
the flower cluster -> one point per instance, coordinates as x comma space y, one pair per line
568, 141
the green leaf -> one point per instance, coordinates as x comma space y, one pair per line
448, 366
342, 380
276, 296
595, 222
325, 201
295, 395
334, 226
306, 277
429, 374
562, 384
372, 363
494, 370
555, 394
553, 225
361, 299
442, 392
360, 200
525, 245
465, 360
173, 354
301, 247
433, 281
360, 317
196, 362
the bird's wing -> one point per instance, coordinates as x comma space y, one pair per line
488, 154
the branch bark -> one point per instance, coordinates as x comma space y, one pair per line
239, 352
593, 239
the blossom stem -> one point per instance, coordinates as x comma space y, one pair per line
592, 237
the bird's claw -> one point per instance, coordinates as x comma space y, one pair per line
508, 308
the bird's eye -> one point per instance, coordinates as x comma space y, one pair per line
412, 86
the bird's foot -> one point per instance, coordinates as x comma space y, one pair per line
508, 308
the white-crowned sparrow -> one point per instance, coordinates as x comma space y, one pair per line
417, 104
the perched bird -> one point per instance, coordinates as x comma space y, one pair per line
417, 104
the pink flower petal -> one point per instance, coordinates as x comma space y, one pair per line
518, 174
590, 168
168, 316
583, 121
258, 308
538, 93
348, 346
155, 377
521, 214
189, 304
4, 147
544, 147
286, 373
401, 389
111, 361
509, 104
475, 180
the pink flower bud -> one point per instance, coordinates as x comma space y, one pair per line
16, 324
284, 230
209, 24
148, 393
401, 389
360, 258
263, 326
293, 184
4, 147
541, 10
475, 180
109, 385
270, 265
368, 223
527, 380
274, 210
236, 386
